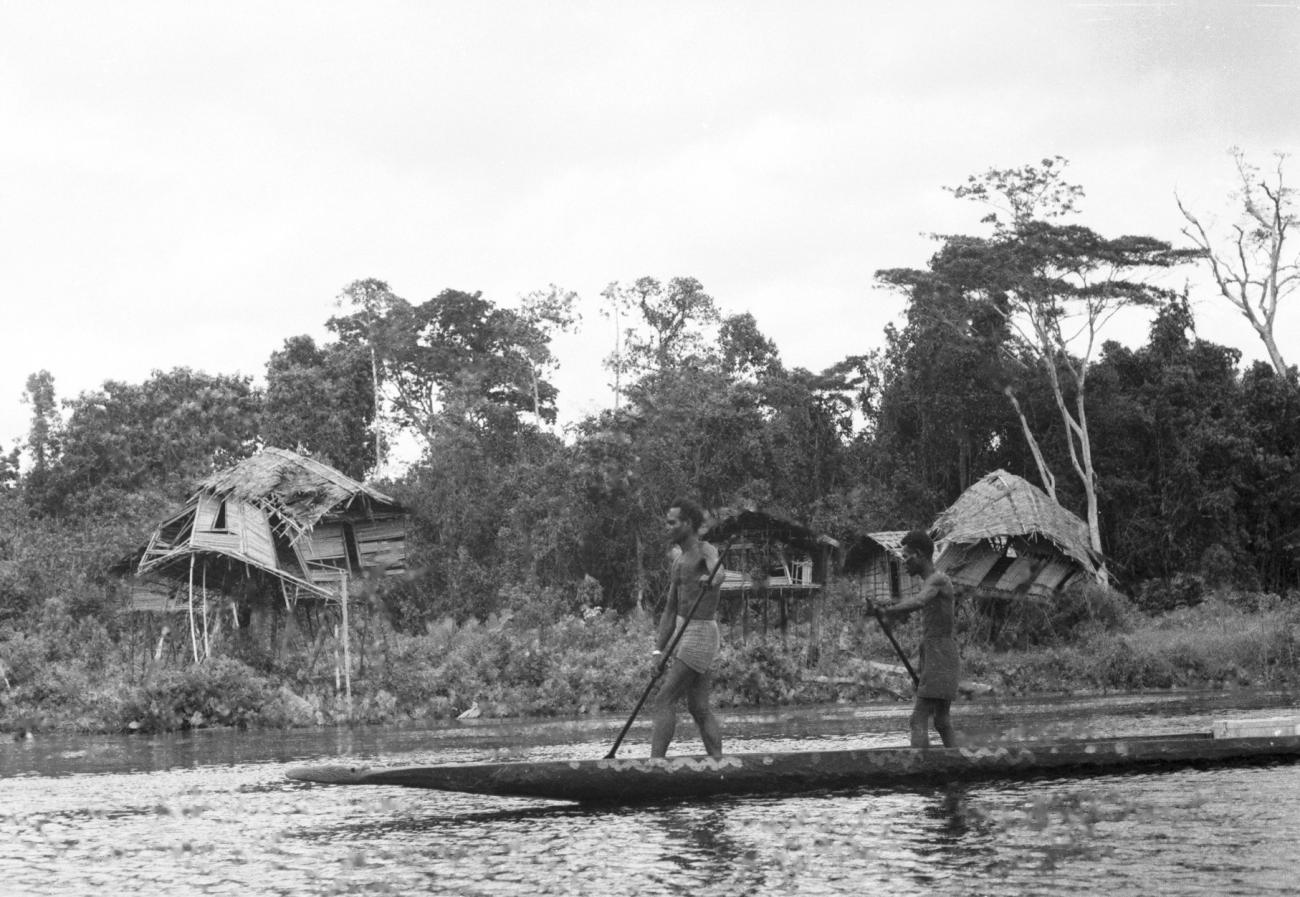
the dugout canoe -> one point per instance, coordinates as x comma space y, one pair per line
684, 778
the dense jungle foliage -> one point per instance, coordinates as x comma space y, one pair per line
519, 527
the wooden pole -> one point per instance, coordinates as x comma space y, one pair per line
194, 635
347, 654
898, 649
207, 642
815, 628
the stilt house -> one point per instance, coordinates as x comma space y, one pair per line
1004, 537
278, 525
772, 564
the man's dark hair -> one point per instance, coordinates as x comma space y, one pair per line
919, 541
689, 510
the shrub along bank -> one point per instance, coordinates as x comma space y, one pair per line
544, 660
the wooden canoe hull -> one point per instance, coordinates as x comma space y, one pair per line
679, 778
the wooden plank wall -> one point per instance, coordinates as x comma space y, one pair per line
381, 544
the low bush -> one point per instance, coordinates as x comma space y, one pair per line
1010, 623
758, 674
220, 692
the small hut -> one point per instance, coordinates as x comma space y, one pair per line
276, 526
876, 561
1005, 537
771, 564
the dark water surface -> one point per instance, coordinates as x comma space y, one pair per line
211, 813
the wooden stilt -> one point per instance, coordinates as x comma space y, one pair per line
784, 608
347, 656
194, 634
207, 642
815, 628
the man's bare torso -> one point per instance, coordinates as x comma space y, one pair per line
688, 573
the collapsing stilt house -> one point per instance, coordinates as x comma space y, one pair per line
1004, 537
277, 526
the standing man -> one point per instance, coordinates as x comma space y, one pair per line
940, 663
692, 606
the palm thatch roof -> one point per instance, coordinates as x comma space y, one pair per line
733, 522
299, 489
1004, 505
863, 548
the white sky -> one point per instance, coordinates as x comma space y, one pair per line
191, 184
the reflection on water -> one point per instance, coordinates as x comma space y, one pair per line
211, 813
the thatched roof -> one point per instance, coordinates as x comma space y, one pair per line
1003, 504
862, 549
300, 489
728, 522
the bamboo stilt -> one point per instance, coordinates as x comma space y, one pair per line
194, 635
207, 642
347, 656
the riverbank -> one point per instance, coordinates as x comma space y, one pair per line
581, 665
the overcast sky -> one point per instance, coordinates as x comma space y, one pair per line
191, 184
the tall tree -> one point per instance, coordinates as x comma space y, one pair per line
1253, 264
665, 325
941, 421
44, 437
165, 432
319, 400
542, 315
1175, 467
459, 358
1057, 286
371, 302
746, 353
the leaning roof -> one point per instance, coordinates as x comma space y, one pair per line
1003, 504
300, 488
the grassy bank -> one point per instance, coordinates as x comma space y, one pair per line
547, 660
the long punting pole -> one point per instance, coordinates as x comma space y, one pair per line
884, 627
668, 654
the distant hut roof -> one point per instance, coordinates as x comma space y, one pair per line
1003, 504
866, 546
730, 522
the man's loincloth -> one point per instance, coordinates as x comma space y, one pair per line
940, 667
699, 645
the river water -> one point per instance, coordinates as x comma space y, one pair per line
212, 813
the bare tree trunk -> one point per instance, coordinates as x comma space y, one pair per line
1049, 481
377, 423
640, 572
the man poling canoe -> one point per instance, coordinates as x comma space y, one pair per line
688, 639
940, 664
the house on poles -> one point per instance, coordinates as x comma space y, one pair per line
774, 568
1004, 537
278, 526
